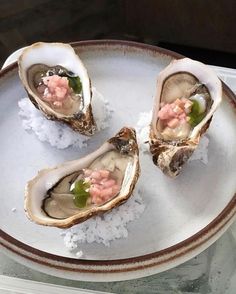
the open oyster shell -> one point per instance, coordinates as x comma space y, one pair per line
45, 59
40, 204
182, 78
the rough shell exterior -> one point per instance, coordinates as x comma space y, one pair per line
81, 121
124, 142
170, 156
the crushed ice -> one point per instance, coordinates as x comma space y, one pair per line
58, 134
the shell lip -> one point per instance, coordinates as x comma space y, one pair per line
203, 73
81, 119
128, 137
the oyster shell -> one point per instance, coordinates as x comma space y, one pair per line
182, 80
69, 103
49, 198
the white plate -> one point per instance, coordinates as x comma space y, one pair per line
183, 216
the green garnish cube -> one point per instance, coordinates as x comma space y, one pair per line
81, 194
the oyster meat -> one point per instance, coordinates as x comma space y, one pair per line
188, 93
76, 190
57, 83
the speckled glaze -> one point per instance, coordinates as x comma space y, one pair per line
183, 216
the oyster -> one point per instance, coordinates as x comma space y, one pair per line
188, 93
57, 83
76, 190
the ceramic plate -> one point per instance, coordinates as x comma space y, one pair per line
182, 216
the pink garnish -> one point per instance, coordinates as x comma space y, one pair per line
174, 114
60, 93
55, 89
164, 112
104, 173
103, 187
182, 115
95, 175
177, 109
94, 191
109, 183
173, 123
107, 193
93, 181
87, 172
179, 102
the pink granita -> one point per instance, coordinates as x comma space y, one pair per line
55, 89
175, 113
103, 186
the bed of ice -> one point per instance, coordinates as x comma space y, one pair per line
58, 134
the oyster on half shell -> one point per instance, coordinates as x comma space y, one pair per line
188, 93
57, 83
76, 190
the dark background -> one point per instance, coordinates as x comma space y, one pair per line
200, 29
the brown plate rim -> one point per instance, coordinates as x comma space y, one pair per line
164, 255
